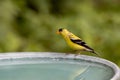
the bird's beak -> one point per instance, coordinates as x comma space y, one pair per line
57, 32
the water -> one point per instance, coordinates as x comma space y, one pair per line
53, 69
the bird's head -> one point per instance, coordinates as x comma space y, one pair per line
59, 31
62, 31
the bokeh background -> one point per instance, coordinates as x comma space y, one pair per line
30, 25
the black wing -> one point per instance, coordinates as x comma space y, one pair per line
80, 42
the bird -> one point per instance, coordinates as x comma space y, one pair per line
74, 42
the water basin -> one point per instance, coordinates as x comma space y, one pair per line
55, 66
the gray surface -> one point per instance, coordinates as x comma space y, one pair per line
62, 55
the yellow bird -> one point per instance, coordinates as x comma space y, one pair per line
74, 42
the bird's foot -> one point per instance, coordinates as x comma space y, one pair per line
76, 55
67, 53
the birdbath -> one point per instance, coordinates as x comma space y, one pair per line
55, 66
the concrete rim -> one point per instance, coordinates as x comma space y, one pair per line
14, 55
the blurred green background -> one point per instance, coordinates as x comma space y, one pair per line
30, 25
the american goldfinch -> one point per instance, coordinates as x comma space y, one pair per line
74, 42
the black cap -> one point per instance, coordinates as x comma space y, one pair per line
60, 30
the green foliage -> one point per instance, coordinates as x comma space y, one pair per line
30, 25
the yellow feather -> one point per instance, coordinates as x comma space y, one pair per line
67, 35
74, 42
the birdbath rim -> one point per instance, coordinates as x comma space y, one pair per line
15, 55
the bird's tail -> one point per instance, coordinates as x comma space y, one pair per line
96, 53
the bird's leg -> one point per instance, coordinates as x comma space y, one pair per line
67, 53
71, 52
77, 52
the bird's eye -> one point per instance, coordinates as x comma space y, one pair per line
60, 30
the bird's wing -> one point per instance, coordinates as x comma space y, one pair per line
72, 36
81, 43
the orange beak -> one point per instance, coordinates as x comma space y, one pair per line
57, 32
